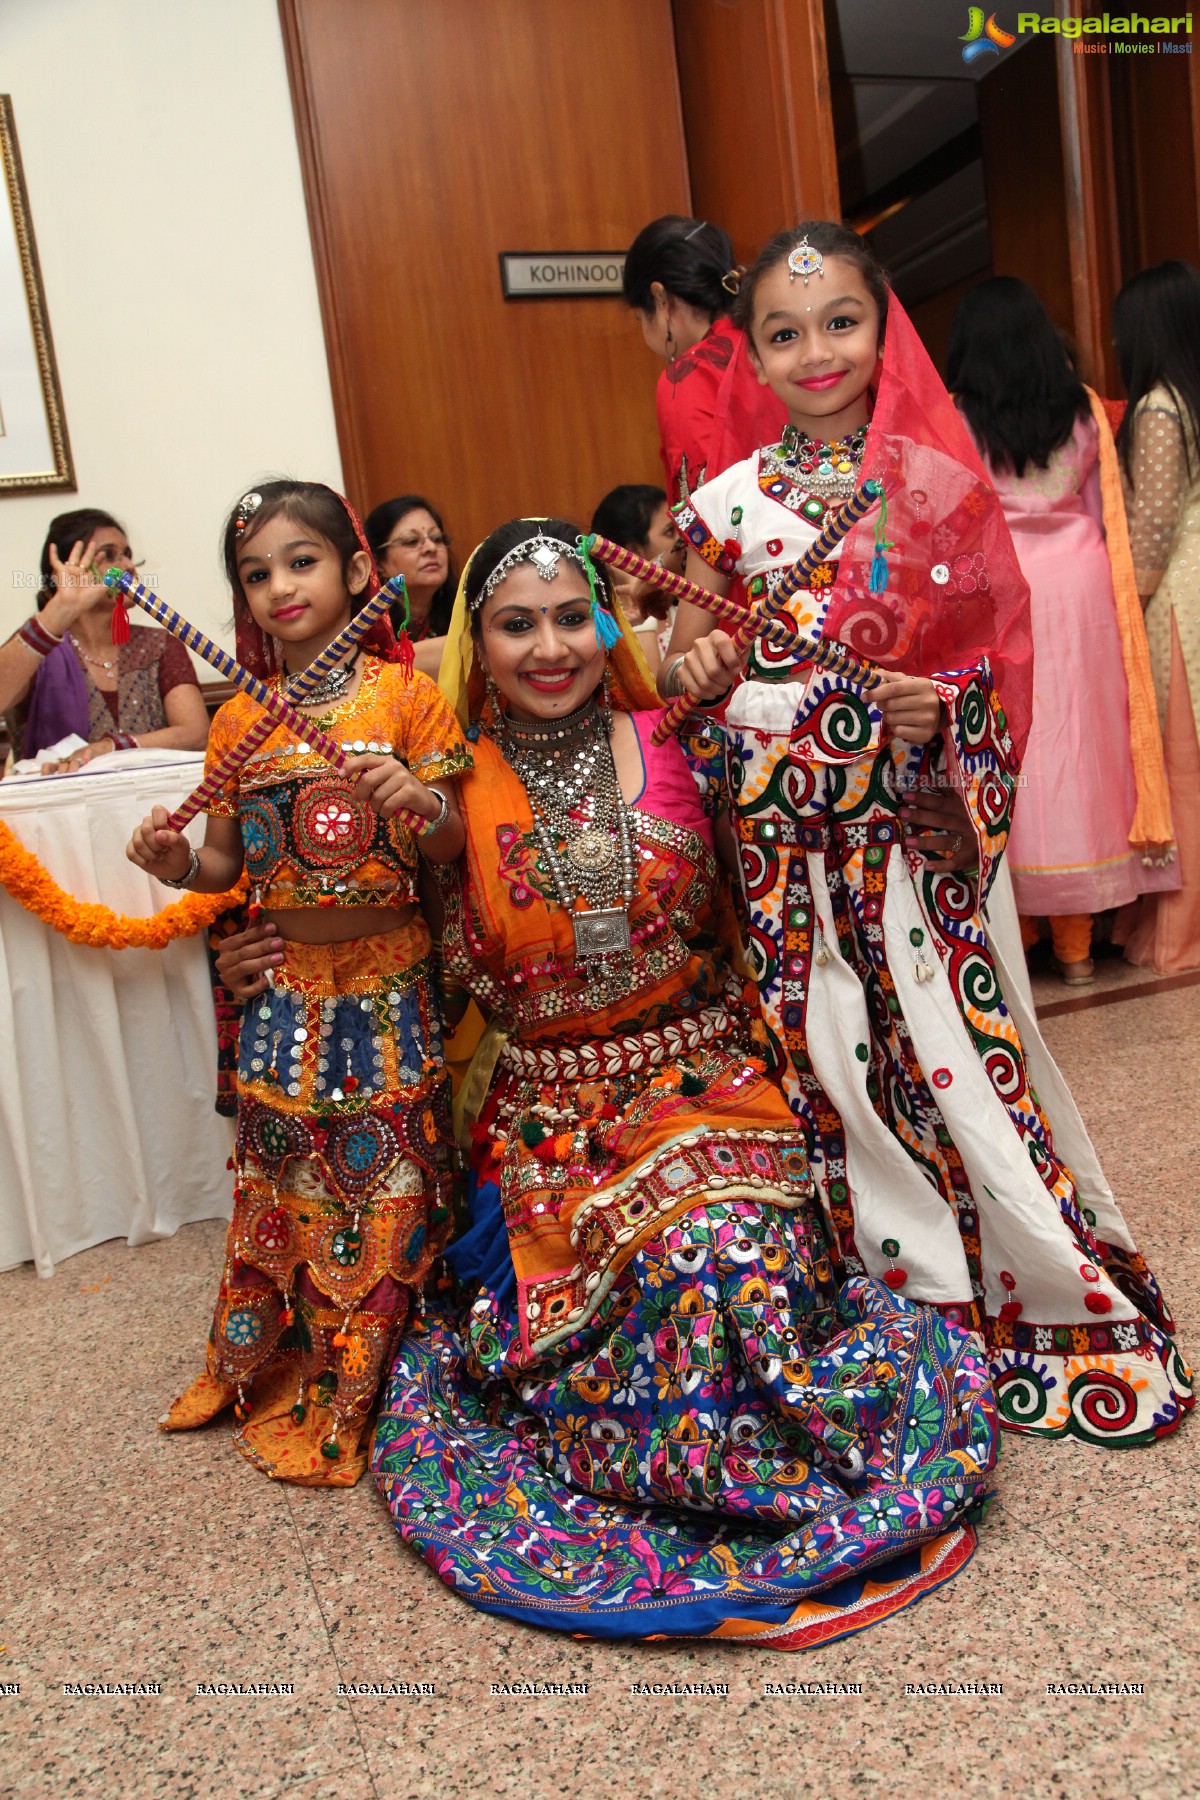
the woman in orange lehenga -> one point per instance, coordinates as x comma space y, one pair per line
662, 1414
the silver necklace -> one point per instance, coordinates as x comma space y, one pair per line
592, 857
99, 662
330, 688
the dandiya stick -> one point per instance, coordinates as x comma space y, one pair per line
679, 588
295, 694
279, 709
775, 599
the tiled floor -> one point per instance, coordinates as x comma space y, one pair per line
133, 1557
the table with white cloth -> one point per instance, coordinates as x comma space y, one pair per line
108, 1058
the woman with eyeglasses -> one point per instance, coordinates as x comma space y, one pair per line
407, 538
62, 675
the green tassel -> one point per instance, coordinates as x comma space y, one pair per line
533, 1133
691, 1085
607, 630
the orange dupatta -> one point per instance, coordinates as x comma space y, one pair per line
1152, 833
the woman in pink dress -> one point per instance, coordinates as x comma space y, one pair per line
1079, 844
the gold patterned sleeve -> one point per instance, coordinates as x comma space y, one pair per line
223, 733
1159, 485
430, 739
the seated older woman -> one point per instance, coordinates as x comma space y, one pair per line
661, 1413
61, 673
407, 538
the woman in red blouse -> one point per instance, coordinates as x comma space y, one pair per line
680, 278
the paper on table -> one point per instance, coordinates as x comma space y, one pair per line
31, 766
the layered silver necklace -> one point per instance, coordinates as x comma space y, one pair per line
582, 827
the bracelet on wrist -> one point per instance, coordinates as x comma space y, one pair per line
122, 740
34, 635
185, 880
671, 684
434, 825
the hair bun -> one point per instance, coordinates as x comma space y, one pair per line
731, 281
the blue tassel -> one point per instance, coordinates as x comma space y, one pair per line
608, 632
879, 569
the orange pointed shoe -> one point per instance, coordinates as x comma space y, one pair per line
293, 1448
199, 1404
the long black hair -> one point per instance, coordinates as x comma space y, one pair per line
1156, 327
379, 525
1009, 372
692, 260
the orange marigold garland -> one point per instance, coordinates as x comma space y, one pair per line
86, 922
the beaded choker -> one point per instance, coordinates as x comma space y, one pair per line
537, 733
331, 687
828, 470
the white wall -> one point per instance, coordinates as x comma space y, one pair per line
165, 192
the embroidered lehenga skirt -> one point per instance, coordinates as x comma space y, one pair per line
949, 1154
341, 1199
661, 1414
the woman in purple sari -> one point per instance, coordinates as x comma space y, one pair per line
62, 675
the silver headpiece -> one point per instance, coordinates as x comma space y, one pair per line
247, 506
543, 552
805, 260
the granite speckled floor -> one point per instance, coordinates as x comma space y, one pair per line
130, 1557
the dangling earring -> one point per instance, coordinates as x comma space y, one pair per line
491, 696
670, 343
606, 699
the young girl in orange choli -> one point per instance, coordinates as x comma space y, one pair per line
904, 1048
342, 1162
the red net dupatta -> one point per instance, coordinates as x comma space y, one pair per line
955, 591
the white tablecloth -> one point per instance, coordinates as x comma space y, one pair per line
107, 1057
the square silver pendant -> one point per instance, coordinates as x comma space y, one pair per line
604, 931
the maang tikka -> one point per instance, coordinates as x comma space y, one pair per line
805, 261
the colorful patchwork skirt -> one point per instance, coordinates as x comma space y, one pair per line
947, 1151
341, 1200
732, 1448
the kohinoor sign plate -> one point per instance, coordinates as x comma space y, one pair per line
560, 274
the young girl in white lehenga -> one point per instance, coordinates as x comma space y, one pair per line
904, 1050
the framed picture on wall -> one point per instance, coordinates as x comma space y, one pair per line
34, 451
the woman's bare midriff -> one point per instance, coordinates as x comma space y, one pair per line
338, 924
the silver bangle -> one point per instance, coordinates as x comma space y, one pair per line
670, 686
434, 825
193, 869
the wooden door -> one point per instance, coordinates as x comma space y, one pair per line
433, 137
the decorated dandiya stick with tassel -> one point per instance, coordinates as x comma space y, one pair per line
123, 583
772, 600
679, 588
297, 690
